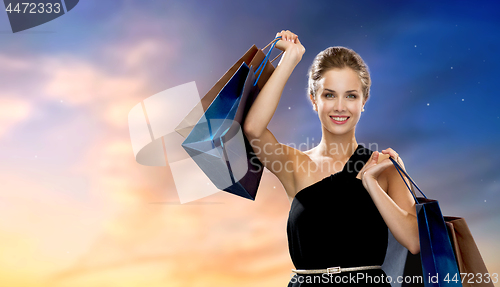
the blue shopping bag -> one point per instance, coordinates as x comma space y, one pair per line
439, 265
217, 143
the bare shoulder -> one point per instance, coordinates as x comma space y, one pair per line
310, 167
280, 159
286, 168
299, 160
298, 174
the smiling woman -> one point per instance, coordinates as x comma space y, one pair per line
343, 108
340, 187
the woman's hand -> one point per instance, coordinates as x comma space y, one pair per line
290, 43
372, 169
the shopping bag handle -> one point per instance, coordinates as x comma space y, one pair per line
273, 42
270, 44
400, 169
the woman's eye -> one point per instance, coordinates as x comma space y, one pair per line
352, 96
328, 95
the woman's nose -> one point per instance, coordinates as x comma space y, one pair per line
339, 105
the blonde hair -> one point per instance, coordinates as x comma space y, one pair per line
338, 57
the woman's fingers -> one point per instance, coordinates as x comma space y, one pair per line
376, 169
290, 41
373, 158
391, 152
371, 161
287, 36
373, 168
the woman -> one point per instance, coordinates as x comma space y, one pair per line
343, 195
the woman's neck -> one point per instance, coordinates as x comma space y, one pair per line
337, 146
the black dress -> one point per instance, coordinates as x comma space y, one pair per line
334, 222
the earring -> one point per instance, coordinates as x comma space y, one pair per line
363, 109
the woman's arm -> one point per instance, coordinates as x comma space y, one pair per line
275, 156
396, 206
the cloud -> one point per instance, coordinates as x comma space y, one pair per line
122, 75
186, 245
79, 82
12, 111
13, 63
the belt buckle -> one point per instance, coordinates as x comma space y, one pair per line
333, 270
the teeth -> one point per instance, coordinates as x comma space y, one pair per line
339, 118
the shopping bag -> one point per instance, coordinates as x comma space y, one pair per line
217, 143
469, 260
253, 58
470, 263
439, 266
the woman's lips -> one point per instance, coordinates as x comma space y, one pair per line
339, 120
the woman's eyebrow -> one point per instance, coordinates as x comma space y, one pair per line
346, 91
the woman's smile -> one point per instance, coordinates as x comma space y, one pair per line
339, 120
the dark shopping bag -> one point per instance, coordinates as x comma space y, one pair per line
439, 265
253, 58
217, 143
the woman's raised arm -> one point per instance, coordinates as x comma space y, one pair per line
273, 155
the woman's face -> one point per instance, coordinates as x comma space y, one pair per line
339, 100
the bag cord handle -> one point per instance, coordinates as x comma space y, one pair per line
270, 44
400, 169
273, 42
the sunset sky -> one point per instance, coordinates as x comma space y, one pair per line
76, 209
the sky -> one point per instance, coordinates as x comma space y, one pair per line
76, 209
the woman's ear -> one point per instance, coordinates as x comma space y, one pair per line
313, 102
